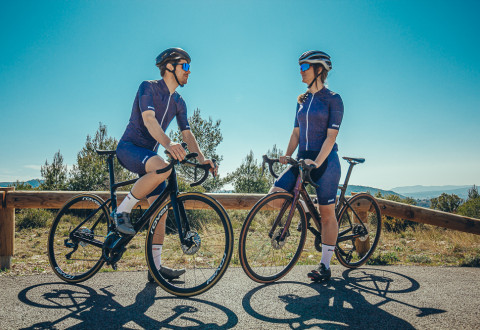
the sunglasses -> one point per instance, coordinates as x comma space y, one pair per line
185, 66
304, 67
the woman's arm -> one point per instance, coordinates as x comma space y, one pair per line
292, 145
326, 147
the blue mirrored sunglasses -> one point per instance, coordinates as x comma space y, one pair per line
185, 66
304, 67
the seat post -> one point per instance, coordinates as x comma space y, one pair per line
347, 178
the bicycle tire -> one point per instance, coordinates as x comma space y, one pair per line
205, 263
72, 259
258, 251
355, 252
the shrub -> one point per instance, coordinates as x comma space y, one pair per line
32, 218
382, 259
471, 261
420, 259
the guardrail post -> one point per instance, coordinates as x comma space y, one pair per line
7, 230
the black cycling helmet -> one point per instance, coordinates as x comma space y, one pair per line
316, 56
172, 55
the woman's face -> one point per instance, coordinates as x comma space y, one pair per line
309, 74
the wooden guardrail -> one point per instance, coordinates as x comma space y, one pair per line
55, 199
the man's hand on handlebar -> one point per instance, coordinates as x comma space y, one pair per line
283, 159
213, 166
176, 150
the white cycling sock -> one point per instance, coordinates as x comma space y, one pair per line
127, 204
327, 253
157, 254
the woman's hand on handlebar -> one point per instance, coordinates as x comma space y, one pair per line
176, 150
311, 162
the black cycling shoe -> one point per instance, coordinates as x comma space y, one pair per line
167, 273
321, 274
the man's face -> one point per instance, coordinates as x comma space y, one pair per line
182, 75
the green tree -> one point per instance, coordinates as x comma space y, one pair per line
19, 185
91, 170
446, 202
54, 174
208, 136
473, 193
471, 208
248, 177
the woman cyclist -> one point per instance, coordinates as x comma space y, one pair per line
317, 121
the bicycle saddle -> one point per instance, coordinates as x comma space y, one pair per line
354, 160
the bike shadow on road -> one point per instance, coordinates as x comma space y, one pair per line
77, 306
352, 300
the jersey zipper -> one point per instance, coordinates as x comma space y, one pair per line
166, 110
306, 131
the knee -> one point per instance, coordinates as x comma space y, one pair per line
328, 219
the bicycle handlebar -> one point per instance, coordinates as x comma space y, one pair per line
205, 167
296, 163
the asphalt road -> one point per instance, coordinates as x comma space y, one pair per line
367, 298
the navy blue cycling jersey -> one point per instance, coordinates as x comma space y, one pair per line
154, 95
318, 113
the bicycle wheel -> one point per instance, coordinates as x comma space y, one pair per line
208, 244
263, 256
359, 227
76, 238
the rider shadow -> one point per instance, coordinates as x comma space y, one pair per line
82, 307
340, 303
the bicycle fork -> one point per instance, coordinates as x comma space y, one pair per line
285, 233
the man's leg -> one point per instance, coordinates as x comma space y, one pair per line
140, 189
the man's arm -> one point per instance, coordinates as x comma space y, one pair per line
189, 138
156, 131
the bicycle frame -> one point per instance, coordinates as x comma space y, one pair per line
299, 190
171, 190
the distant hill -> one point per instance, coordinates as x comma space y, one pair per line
373, 191
427, 192
34, 183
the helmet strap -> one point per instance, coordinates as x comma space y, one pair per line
314, 80
175, 75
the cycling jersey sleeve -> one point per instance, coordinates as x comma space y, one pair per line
296, 116
335, 112
145, 97
181, 115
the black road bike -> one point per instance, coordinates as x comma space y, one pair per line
198, 234
274, 233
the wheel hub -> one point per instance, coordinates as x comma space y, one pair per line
192, 243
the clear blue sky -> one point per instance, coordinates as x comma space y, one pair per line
408, 73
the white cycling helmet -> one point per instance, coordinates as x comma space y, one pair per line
316, 56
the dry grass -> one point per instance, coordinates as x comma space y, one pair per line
424, 245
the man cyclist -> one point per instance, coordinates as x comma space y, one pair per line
155, 106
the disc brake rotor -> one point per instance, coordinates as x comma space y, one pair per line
193, 243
